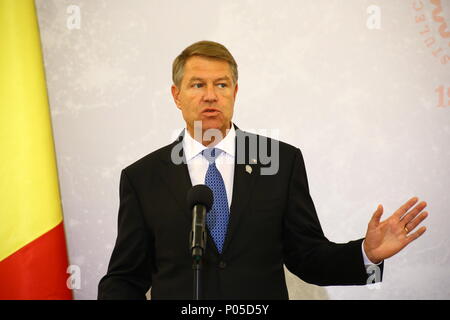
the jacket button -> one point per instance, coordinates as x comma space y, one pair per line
222, 264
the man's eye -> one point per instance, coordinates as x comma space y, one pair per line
197, 85
222, 85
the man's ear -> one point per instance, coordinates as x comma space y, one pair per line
235, 90
175, 94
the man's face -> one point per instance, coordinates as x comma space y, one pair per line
206, 94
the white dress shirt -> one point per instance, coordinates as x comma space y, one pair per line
198, 165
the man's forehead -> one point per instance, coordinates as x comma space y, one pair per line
198, 66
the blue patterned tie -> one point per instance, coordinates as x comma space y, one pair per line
217, 218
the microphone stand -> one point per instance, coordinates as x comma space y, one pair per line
198, 245
197, 266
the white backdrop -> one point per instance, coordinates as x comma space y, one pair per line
362, 87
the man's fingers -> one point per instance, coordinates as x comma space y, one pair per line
416, 234
414, 212
414, 223
405, 207
376, 216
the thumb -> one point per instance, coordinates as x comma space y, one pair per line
376, 216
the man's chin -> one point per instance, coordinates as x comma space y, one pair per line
211, 124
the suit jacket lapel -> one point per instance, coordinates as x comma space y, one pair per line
242, 188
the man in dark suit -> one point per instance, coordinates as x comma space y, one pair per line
262, 218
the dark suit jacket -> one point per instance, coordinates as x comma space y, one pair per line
272, 222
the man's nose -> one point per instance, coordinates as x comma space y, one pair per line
210, 94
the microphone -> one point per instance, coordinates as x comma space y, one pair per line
199, 201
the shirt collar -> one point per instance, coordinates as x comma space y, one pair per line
192, 147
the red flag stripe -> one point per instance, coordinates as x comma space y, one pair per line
37, 271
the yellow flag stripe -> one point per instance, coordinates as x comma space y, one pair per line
29, 193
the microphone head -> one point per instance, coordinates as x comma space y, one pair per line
200, 194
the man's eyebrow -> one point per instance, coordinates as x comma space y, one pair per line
195, 79
201, 79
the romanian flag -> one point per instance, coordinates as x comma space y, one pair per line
33, 254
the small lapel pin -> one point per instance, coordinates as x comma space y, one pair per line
253, 160
248, 169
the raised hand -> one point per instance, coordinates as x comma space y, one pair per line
386, 238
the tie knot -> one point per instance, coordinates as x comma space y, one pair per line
211, 154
